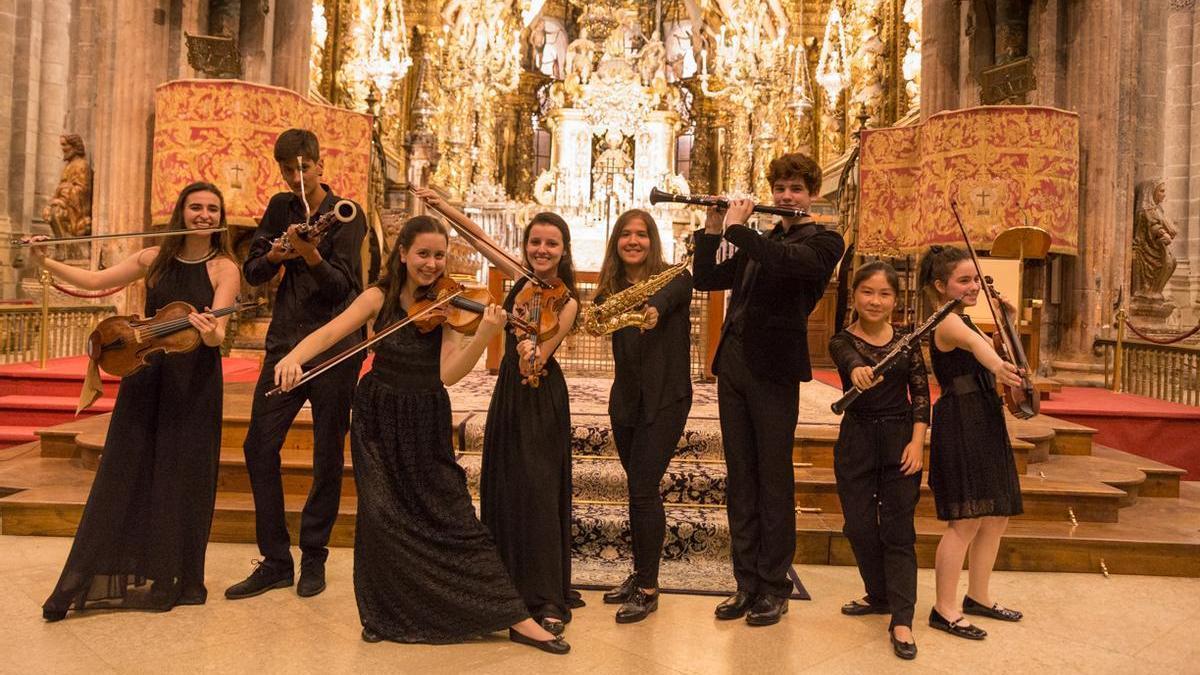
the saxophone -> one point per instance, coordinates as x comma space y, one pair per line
620, 310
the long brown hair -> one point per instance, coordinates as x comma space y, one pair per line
566, 266
612, 270
171, 246
395, 272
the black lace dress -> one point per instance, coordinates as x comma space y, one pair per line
525, 485
150, 509
971, 468
425, 568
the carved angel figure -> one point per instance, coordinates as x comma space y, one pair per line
579, 57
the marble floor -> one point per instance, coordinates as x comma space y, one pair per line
1074, 623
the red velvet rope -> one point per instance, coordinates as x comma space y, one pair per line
1160, 341
86, 294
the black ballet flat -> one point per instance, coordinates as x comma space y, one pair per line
857, 608
193, 596
52, 615
993, 612
556, 646
370, 636
955, 627
905, 650
552, 625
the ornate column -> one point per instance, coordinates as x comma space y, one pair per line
1177, 151
128, 70
939, 56
1101, 55
293, 32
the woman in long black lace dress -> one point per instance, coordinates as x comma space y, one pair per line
525, 483
150, 509
425, 569
879, 452
971, 468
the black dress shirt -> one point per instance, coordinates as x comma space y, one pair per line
653, 367
308, 297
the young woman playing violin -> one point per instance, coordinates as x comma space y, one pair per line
525, 487
425, 569
150, 510
972, 472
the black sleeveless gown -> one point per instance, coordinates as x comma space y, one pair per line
425, 568
150, 509
972, 472
525, 482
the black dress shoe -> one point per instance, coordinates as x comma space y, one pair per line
552, 625
261, 580
638, 607
993, 612
370, 636
905, 650
555, 646
735, 606
312, 580
620, 594
860, 608
955, 627
767, 610
52, 615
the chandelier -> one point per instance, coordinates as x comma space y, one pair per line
745, 60
381, 38
832, 74
482, 56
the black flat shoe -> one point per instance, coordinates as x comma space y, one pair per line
638, 607
193, 596
312, 580
620, 594
767, 610
905, 650
955, 627
52, 615
735, 606
552, 625
993, 612
261, 580
556, 646
371, 636
859, 608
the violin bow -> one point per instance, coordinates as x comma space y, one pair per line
366, 344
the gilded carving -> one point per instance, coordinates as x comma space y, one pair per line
69, 211
1153, 232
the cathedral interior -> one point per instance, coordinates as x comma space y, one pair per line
1056, 136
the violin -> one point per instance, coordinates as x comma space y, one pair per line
539, 303
462, 313
122, 345
1023, 402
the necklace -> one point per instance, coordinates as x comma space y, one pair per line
193, 261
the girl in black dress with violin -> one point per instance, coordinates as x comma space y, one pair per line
879, 453
150, 509
650, 399
971, 468
425, 569
525, 487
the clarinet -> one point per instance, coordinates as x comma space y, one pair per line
898, 352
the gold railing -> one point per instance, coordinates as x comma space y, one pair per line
1167, 372
67, 329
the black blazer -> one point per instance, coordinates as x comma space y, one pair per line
653, 367
789, 276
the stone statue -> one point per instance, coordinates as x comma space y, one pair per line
69, 211
1153, 262
579, 57
652, 60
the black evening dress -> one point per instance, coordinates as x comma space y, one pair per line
150, 509
425, 568
971, 468
525, 486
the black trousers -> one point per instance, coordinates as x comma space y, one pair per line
758, 429
645, 451
331, 395
878, 503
